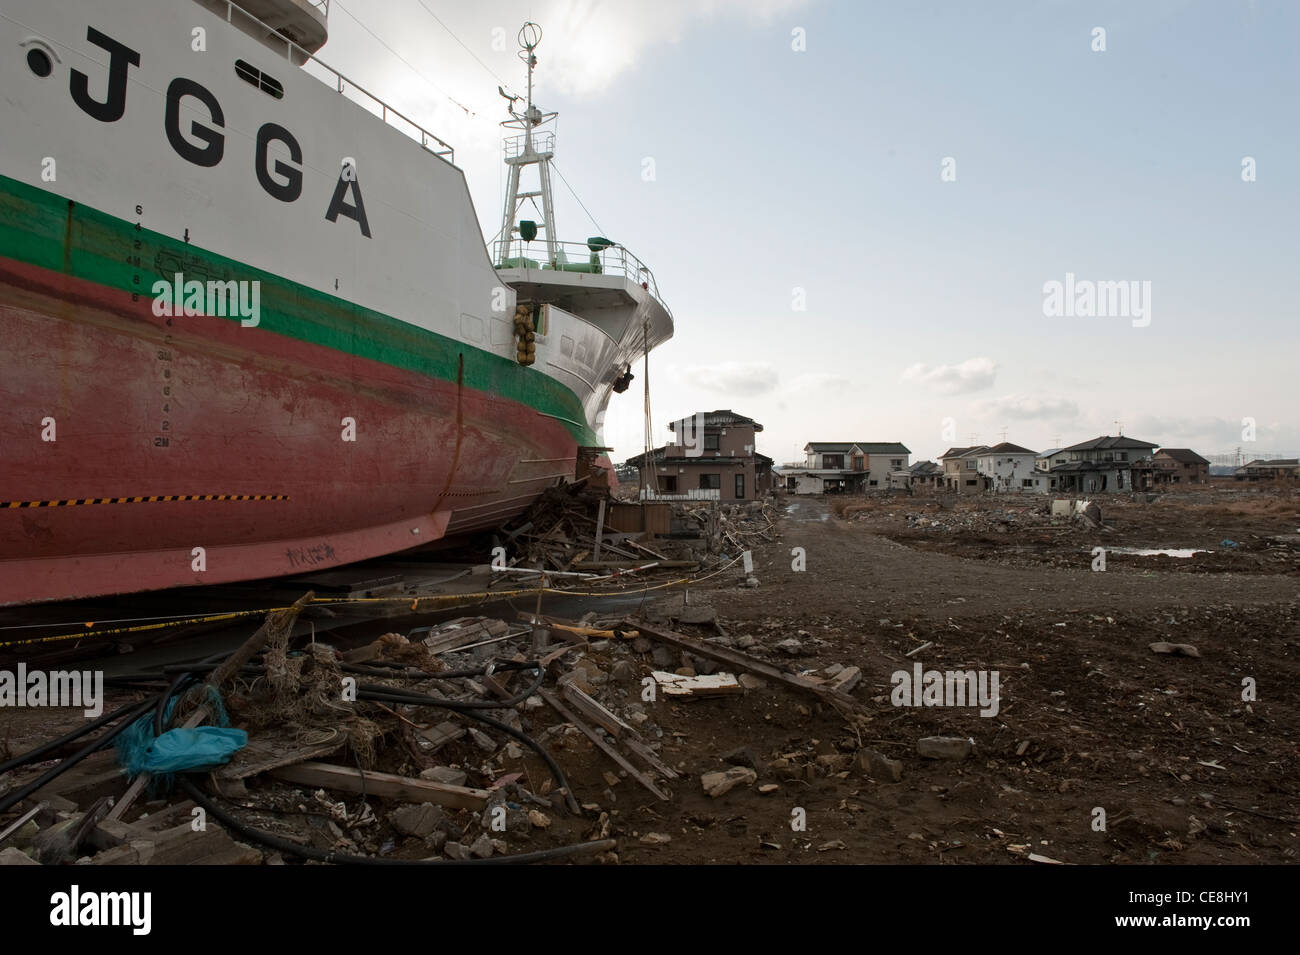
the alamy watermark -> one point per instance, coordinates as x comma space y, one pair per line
133, 910
949, 688
190, 297
1088, 299
53, 688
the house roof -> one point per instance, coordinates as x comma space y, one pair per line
1006, 447
1049, 452
962, 452
924, 467
834, 447
866, 447
1183, 455
723, 418
1091, 466
660, 457
1273, 463
1108, 443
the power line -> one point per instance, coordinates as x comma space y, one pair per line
410, 65
575, 196
491, 72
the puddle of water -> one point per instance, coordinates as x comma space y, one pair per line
1155, 551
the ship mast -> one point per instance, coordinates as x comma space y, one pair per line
533, 147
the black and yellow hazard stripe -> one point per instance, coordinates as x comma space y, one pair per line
151, 499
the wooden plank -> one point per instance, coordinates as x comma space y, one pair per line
638, 748
600, 529
593, 710
385, 785
678, 687
846, 679
440, 735
264, 753
21, 821
571, 717
745, 662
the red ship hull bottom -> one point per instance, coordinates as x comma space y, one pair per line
141, 453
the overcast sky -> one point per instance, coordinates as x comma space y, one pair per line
913, 177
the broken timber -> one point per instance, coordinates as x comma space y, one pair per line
384, 785
743, 661
555, 704
593, 710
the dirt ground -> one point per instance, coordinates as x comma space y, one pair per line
1091, 726
1090, 717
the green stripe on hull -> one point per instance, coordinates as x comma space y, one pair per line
44, 229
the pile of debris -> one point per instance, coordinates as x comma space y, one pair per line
732, 528
435, 746
566, 536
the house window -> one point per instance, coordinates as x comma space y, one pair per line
1027, 483
711, 482
712, 442
833, 461
1123, 456
668, 484
970, 466
970, 483
873, 483
740, 487
859, 463
896, 462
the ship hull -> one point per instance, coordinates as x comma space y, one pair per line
148, 451
370, 402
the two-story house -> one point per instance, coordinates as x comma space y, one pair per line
1102, 464
961, 469
1179, 466
847, 467
713, 457
1009, 467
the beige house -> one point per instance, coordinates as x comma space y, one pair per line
713, 457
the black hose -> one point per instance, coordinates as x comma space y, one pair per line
397, 691
343, 858
309, 852
561, 781
160, 714
18, 795
35, 754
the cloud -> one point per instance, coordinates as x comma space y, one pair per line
594, 42
973, 374
731, 377
816, 381
1215, 433
1027, 407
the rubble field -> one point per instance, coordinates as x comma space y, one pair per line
1143, 715
1225, 528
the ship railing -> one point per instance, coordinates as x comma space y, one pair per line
542, 143
590, 257
300, 57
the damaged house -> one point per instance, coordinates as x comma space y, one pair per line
713, 458
847, 467
1102, 464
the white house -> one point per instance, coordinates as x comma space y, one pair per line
857, 466
1009, 467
